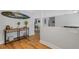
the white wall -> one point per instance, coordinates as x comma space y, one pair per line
64, 20
51, 13
12, 22
67, 20
59, 37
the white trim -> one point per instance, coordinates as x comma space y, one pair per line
1, 42
30, 34
50, 45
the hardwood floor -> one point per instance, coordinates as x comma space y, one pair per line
31, 43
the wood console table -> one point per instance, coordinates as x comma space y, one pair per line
18, 33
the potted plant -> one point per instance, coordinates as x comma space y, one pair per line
18, 24
25, 23
27, 29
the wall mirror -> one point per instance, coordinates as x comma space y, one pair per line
16, 15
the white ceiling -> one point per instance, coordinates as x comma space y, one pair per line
48, 13
44, 13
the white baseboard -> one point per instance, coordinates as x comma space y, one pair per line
1, 42
50, 44
31, 34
